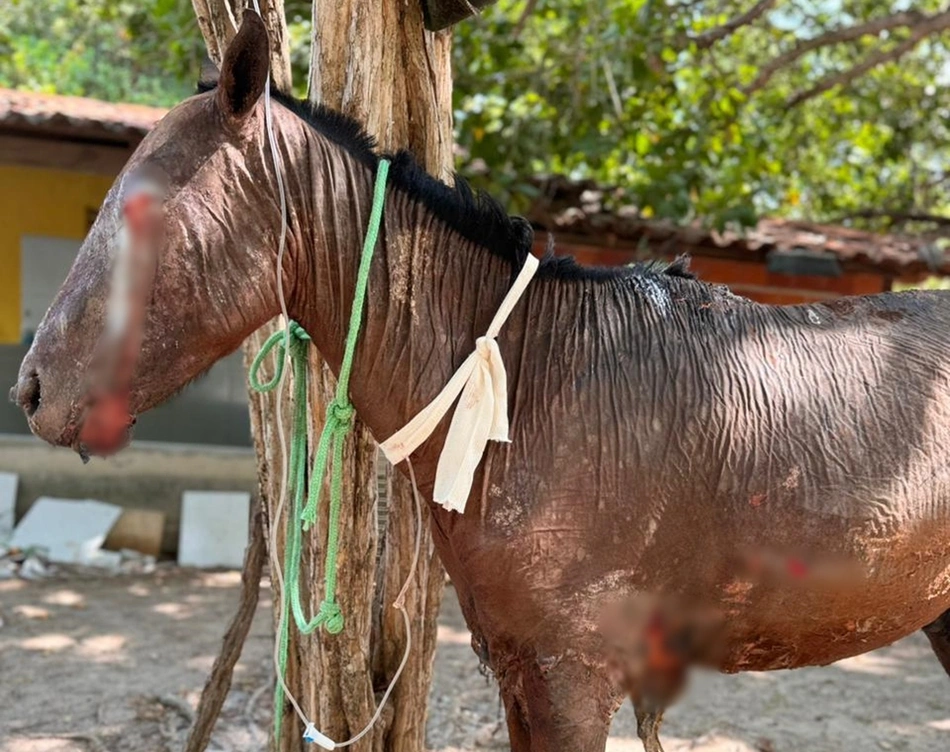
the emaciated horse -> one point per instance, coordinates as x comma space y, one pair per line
693, 478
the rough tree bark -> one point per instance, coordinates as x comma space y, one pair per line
374, 61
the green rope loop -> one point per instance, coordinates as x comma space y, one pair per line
298, 338
339, 420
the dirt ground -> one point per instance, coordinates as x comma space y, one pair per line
116, 664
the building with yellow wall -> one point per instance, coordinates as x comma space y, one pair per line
42, 202
58, 158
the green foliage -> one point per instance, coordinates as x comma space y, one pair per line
619, 91
299, 27
147, 51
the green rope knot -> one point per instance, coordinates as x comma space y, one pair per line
331, 617
341, 414
297, 332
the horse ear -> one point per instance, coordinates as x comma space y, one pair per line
245, 68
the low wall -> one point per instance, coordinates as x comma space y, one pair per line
146, 475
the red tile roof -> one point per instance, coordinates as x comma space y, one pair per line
76, 117
568, 209
576, 213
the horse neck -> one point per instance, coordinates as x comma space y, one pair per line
430, 294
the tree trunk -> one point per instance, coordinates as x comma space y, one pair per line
375, 62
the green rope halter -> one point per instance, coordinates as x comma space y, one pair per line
339, 420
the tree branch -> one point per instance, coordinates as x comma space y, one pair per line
216, 688
218, 25
933, 25
835, 36
523, 19
275, 19
708, 38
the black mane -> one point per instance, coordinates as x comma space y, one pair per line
475, 215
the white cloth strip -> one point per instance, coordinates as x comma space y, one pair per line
481, 415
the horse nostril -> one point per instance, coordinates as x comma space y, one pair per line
29, 395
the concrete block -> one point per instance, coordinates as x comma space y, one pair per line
214, 528
68, 531
139, 530
8, 488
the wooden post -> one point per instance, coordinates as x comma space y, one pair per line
375, 62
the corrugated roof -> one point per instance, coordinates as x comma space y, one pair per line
577, 211
76, 117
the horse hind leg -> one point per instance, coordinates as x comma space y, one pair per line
938, 632
519, 735
563, 707
649, 718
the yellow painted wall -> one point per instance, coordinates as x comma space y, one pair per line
38, 201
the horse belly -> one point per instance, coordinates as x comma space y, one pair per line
808, 621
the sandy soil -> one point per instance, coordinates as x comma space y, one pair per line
96, 664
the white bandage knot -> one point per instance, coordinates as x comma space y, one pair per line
481, 415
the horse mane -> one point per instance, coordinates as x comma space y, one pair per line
473, 214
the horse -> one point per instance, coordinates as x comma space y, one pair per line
693, 478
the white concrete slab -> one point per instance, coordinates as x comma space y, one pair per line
69, 531
214, 528
8, 488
